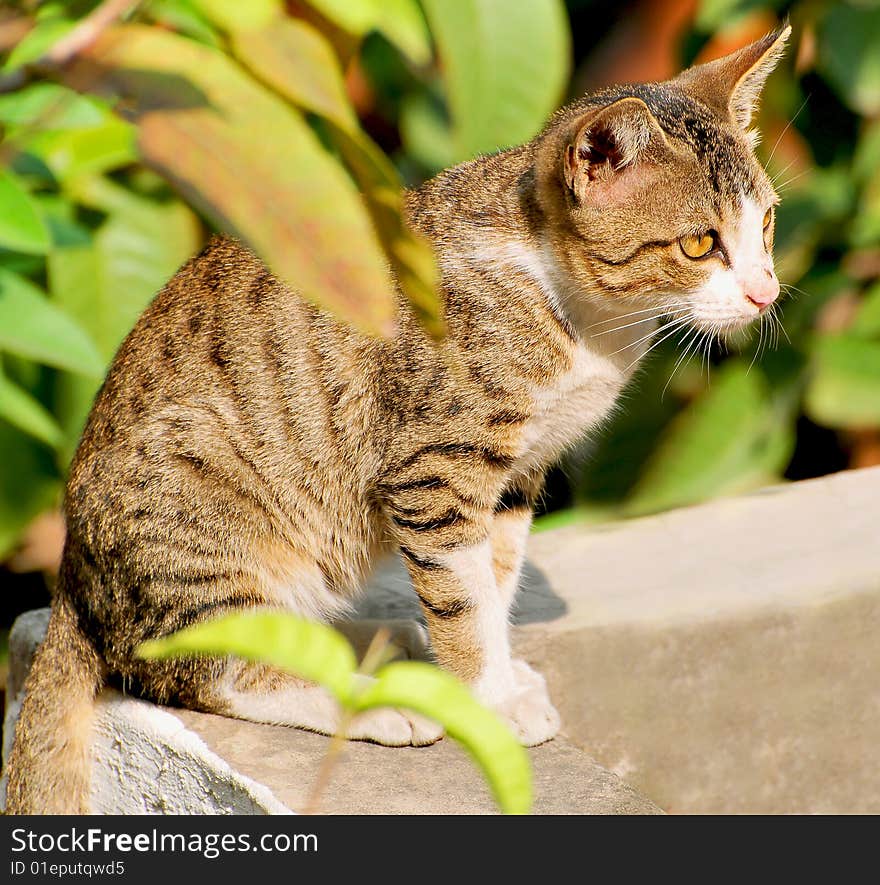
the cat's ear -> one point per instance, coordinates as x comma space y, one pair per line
732, 85
608, 142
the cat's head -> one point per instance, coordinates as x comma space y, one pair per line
656, 197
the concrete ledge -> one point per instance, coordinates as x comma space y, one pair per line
721, 658
154, 760
726, 658
439, 779
146, 760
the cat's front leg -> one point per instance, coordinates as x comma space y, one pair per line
508, 536
452, 568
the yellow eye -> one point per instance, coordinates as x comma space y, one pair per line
698, 247
768, 217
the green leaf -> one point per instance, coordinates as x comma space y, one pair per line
732, 437
251, 163
866, 167
866, 323
400, 21
844, 387
714, 15
21, 226
21, 410
29, 484
440, 696
33, 327
411, 255
505, 66
866, 158
51, 107
425, 132
234, 15
184, 16
849, 54
105, 279
135, 252
807, 215
71, 153
313, 651
38, 41
320, 654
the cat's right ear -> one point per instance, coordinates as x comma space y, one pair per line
603, 155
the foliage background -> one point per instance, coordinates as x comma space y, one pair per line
268, 120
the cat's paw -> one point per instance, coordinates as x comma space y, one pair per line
394, 728
526, 677
530, 713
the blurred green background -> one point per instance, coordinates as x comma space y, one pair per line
131, 130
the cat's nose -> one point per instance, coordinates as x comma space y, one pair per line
763, 289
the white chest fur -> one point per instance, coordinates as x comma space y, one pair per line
576, 402
565, 411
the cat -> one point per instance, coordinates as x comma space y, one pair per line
248, 449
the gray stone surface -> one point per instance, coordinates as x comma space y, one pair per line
152, 760
726, 658
721, 658
440, 779
146, 760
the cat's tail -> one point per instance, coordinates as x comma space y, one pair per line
49, 767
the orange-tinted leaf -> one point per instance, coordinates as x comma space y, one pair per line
296, 61
250, 163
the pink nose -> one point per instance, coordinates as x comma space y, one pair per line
763, 289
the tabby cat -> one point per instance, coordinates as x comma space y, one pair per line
248, 450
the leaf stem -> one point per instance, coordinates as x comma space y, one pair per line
322, 778
71, 44
376, 655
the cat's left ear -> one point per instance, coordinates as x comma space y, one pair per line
732, 85
607, 146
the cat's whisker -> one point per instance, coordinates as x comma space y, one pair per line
700, 350
765, 343
775, 178
672, 329
678, 362
673, 325
706, 346
658, 310
789, 289
788, 182
788, 126
713, 339
780, 326
782, 329
758, 347
610, 331
773, 331
638, 322
767, 339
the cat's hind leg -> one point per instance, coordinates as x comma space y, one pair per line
260, 693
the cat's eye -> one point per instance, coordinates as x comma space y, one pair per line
768, 217
698, 246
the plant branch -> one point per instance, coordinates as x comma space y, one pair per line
376, 655
70, 45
